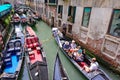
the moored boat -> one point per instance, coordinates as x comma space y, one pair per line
98, 74
16, 18
59, 71
13, 56
35, 56
23, 19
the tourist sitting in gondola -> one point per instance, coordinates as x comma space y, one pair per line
93, 66
73, 45
66, 46
73, 49
78, 55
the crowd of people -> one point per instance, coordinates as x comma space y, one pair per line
79, 55
76, 52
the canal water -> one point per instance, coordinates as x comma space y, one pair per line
51, 48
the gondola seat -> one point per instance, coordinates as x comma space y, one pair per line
31, 55
10, 50
7, 55
36, 44
18, 54
82, 64
30, 46
17, 49
34, 41
8, 61
38, 50
10, 47
17, 45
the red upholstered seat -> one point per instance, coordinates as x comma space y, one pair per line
32, 56
82, 64
28, 41
38, 51
36, 44
36, 39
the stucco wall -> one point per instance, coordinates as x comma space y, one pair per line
99, 22
78, 21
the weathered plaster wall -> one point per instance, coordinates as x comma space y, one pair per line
99, 22
65, 13
78, 19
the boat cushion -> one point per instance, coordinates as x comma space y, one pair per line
28, 41
7, 55
7, 60
18, 53
32, 56
36, 44
82, 64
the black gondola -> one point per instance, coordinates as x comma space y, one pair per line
59, 71
94, 75
35, 56
13, 56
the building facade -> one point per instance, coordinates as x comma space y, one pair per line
94, 24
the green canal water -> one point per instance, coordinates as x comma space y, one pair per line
50, 47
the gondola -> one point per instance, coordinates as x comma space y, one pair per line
35, 56
13, 56
23, 19
59, 71
16, 18
94, 75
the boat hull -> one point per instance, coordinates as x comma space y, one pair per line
59, 71
35, 57
95, 75
13, 57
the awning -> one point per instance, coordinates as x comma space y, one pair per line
4, 9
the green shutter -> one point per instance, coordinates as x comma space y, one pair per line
69, 11
58, 9
51, 1
74, 14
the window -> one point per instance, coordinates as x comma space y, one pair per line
60, 9
114, 28
45, 1
86, 16
71, 14
52, 1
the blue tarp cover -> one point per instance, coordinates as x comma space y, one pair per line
4, 9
